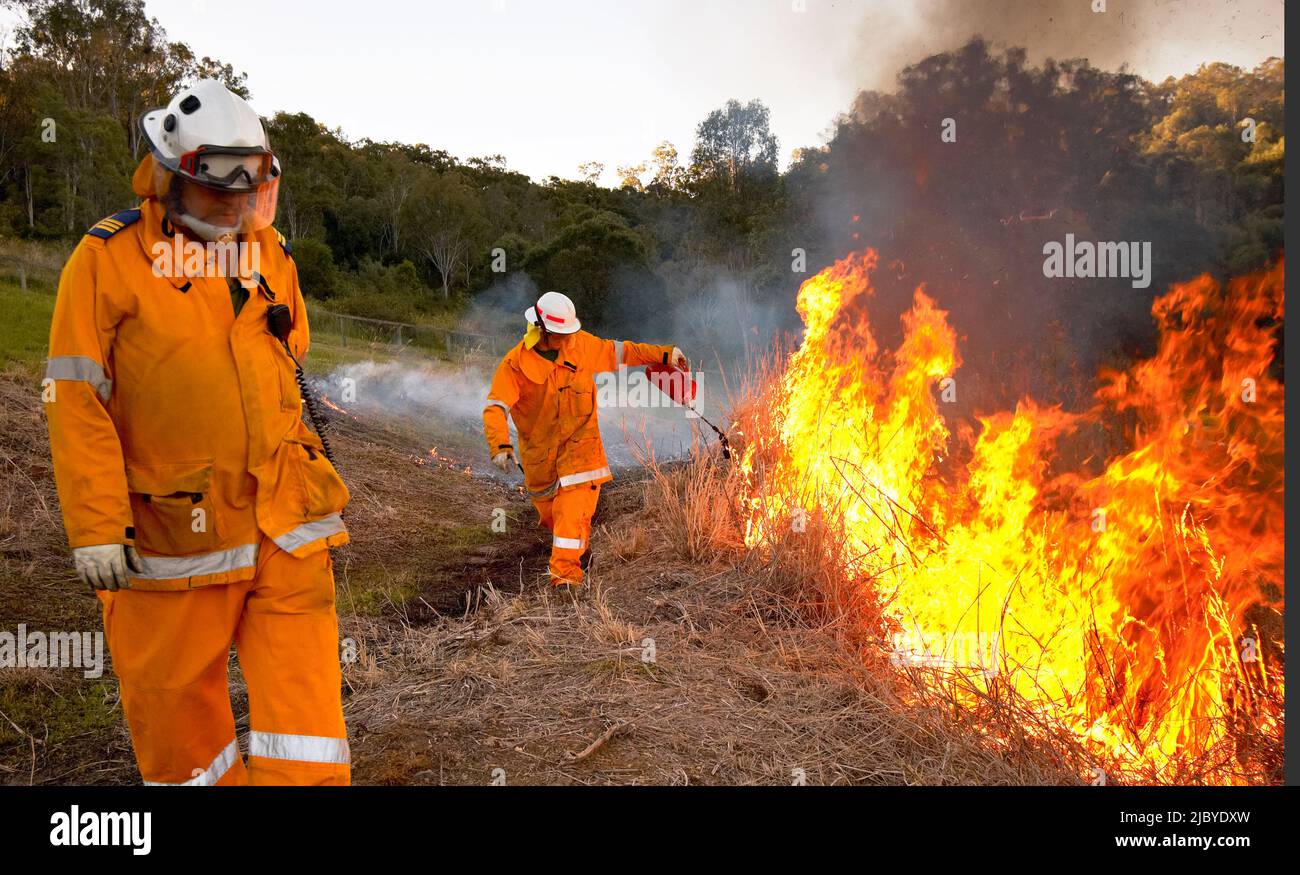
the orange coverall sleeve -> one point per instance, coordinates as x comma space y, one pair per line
88, 465
613, 353
300, 336
501, 397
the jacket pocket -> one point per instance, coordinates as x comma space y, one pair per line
538, 461
286, 370
581, 401
172, 508
324, 491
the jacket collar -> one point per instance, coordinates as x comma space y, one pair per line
537, 368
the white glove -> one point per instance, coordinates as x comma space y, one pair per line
678, 359
503, 459
105, 566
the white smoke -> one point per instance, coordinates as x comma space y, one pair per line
442, 404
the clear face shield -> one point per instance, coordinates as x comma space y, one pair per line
219, 192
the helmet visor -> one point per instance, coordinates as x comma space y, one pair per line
259, 206
244, 210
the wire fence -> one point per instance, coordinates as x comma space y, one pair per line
352, 331
32, 266
13, 269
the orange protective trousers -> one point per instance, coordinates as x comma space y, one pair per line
567, 514
170, 652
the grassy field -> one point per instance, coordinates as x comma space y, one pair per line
25, 328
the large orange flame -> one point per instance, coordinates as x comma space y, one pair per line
1124, 597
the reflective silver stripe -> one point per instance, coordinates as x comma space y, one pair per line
303, 748
545, 492
80, 367
501, 404
174, 567
584, 476
567, 543
618, 352
308, 532
212, 774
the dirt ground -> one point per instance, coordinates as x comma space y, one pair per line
461, 666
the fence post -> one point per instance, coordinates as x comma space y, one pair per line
22, 278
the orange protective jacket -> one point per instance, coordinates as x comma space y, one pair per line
553, 405
174, 425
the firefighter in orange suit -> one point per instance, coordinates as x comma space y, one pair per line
197, 503
546, 383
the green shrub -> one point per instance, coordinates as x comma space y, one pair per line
317, 275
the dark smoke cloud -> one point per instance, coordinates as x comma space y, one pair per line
1149, 36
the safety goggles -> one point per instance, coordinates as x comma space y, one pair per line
234, 168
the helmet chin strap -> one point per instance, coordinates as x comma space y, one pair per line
541, 319
544, 340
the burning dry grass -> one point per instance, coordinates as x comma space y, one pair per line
1154, 642
805, 578
802, 585
750, 681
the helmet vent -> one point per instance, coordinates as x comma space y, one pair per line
189, 104
169, 123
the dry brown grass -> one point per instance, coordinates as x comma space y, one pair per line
530, 682
33, 549
55, 725
421, 543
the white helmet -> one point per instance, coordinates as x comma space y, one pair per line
210, 136
557, 312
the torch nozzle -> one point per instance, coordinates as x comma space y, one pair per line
722, 437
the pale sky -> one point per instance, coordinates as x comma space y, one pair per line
550, 84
